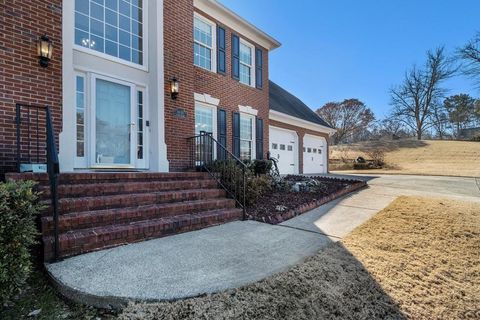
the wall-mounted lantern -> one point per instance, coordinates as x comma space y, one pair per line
45, 49
174, 88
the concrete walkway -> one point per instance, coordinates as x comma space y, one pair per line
234, 254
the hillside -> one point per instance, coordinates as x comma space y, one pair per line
455, 158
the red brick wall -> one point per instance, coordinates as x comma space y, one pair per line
301, 132
178, 21
21, 77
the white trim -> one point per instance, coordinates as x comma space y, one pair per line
296, 146
108, 57
248, 110
252, 66
229, 18
213, 56
206, 98
294, 121
144, 66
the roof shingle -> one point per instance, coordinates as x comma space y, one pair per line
283, 101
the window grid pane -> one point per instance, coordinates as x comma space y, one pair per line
203, 43
113, 27
140, 135
245, 64
80, 107
246, 137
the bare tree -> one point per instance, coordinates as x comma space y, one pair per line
349, 117
414, 101
470, 54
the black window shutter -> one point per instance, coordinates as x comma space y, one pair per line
236, 134
259, 139
258, 68
235, 57
221, 51
222, 134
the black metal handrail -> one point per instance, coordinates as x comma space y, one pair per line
51, 155
207, 154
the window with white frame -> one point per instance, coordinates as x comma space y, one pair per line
246, 137
112, 27
80, 118
246, 63
204, 43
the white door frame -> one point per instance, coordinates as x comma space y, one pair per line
92, 128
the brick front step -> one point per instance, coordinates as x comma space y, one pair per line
68, 205
105, 177
86, 240
99, 218
111, 188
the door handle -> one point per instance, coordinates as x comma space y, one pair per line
278, 156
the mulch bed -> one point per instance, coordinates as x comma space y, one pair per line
296, 203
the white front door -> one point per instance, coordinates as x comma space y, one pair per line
114, 124
283, 147
314, 154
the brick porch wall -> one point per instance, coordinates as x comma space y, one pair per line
21, 77
301, 132
178, 43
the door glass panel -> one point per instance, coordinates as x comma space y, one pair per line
113, 120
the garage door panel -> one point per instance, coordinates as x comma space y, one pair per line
314, 155
283, 147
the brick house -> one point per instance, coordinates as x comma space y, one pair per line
122, 133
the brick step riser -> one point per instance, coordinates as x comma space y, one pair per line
128, 215
91, 190
75, 244
123, 201
71, 205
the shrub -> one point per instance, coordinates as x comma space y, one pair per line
18, 208
361, 166
231, 176
377, 155
261, 167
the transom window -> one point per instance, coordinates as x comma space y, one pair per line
113, 27
246, 63
246, 137
203, 47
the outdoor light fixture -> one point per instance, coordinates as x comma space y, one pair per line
45, 49
174, 86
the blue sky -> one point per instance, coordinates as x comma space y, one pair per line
338, 49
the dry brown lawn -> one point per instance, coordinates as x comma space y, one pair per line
453, 158
416, 259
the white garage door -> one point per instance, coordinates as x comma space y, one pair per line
314, 154
283, 146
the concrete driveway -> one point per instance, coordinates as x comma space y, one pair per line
237, 253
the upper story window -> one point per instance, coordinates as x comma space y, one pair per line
246, 63
112, 27
204, 43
